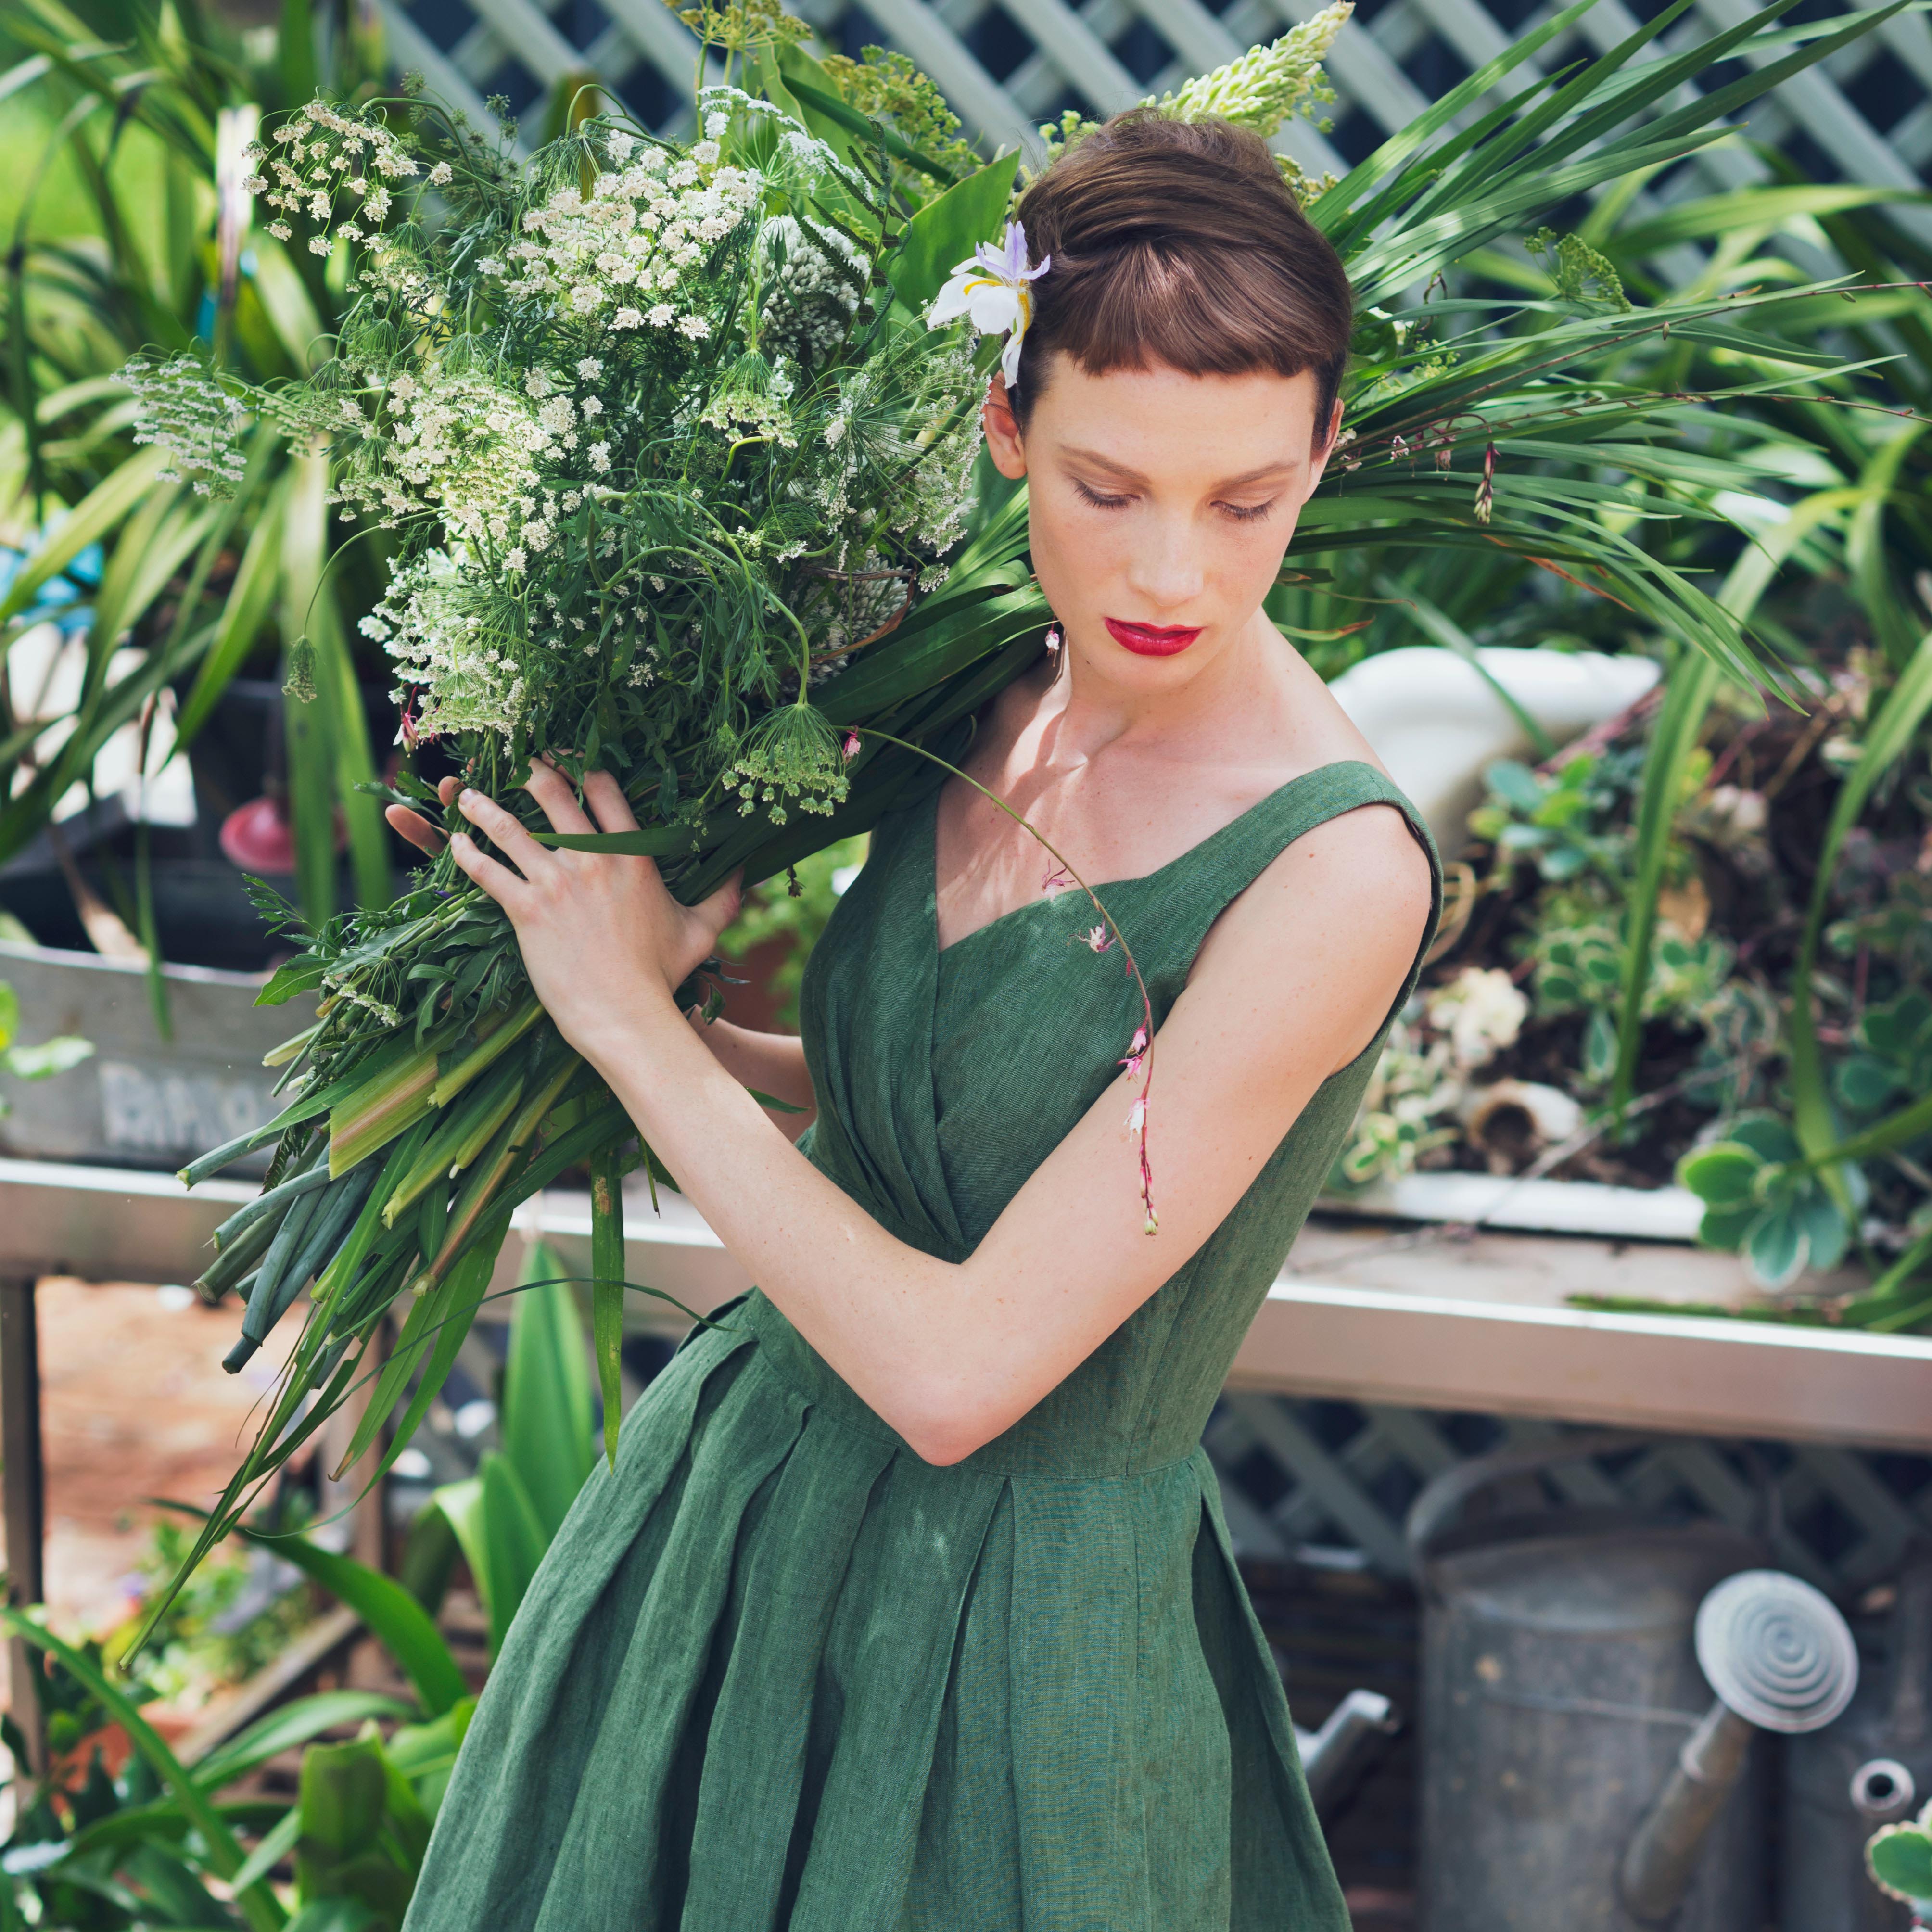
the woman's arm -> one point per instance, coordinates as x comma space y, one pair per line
1295, 979
772, 1063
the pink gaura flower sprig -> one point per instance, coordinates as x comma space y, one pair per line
1138, 1060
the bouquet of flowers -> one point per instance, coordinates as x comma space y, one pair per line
678, 443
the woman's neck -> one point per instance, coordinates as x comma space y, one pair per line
1244, 693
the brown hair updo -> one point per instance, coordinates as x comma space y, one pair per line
1177, 242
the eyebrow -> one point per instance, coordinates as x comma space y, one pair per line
1121, 470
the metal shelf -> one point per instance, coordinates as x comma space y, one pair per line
1425, 1317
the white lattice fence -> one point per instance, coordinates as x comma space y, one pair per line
1331, 1482
1864, 115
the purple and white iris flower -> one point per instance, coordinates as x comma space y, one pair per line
991, 291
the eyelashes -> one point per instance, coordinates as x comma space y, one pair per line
1240, 513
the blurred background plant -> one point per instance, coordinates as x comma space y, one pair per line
158, 1842
33, 1063
131, 604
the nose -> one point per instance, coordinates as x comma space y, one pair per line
1164, 567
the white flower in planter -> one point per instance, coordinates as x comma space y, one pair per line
1482, 1011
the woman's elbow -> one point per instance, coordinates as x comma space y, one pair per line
944, 1428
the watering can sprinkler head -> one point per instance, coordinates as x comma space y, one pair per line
1781, 1658
1882, 1790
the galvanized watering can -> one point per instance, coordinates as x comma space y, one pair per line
1576, 1772
1873, 1765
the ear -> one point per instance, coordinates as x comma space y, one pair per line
1320, 462
1004, 442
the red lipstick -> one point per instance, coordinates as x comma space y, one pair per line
1152, 640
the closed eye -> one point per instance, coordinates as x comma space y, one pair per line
1087, 494
1249, 513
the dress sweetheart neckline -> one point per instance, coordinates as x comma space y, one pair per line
931, 844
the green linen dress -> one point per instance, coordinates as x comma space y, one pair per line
777, 1672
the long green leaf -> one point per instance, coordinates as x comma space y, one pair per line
276, 1844
250, 597
546, 1421
393, 1616
458, 1299
1442, 629
1891, 734
945, 230
606, 1291
515, 1544
1705, 218
108, 504
1327, 209
1690, 685
291, 1725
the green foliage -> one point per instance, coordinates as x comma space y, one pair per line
1760, 1200
506, 1516
363, 1831
1578, 269
405, 1629
545, 1417
102, 1853
121, 243
199, 1645
1899, 1858
888, 88
1896, 1060
1556, 820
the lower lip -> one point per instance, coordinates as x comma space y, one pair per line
1145, 643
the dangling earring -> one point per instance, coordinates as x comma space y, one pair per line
1054, 651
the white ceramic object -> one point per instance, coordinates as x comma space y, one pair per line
1435, 722
1541, 1206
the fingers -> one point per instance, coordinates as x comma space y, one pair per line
416, 829
613, 809
552, 791
715, 913
510, 839
498, 880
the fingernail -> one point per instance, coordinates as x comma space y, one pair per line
466, 796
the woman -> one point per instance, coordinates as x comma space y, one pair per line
909, 1603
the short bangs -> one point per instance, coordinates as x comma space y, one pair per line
1179, 243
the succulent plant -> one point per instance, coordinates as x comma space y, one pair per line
1899, 1858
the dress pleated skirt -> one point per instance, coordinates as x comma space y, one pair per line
776, 1672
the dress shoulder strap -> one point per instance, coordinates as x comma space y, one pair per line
1193, 892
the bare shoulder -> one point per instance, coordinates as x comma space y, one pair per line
1363, 872
1325, 935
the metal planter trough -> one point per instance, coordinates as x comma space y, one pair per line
141, 1101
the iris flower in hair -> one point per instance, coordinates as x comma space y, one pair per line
991, 291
